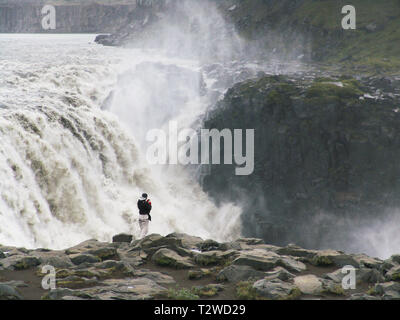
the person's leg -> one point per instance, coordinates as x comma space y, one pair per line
144, 227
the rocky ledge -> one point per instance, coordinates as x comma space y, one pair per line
180, 266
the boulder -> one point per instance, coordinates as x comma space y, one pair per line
188, 242
393, 274
279, 273
78, 259
2, 255
115, 269
104, 254
334, 258
168, 258
212, 258
388, 290
9, 293
259, 261
291, 264
152, 243
295, 251
211, 245
395, 258
122, 237
86, 246
57, 260
273, 289
18, 262
309, 284
368, 262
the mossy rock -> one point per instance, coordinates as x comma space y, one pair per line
168, 258
181, 294
246, 291
105, 254
335, 289
199, 274
323, 90
26, 263
323, 261
207, 291
295, 294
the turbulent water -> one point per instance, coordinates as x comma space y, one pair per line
69, 170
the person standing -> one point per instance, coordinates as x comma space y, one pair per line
144, 206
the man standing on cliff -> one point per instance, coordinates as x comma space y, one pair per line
144, 206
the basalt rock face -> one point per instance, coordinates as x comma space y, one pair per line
71, 17
326, 145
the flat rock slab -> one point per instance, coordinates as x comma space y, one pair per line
78, 259
168, 258
334, 258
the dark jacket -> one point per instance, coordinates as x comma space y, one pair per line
144, 206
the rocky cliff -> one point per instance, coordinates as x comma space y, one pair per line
180, 266
71, 16
307, 30
322, 145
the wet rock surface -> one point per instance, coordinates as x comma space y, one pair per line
96, 270
324, 148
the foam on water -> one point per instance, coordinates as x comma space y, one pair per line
70, 171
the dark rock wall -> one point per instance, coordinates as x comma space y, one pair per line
318, 148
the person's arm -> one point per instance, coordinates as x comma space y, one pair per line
149, 209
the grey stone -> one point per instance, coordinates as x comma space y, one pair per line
122, 237
257, 261
18, 262
309, 284
167, 257
78, 259
273, 289
9, 293
291, 264
393, 274
292, 250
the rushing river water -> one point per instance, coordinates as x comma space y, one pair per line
73, 117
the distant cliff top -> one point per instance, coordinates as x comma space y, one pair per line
66, 2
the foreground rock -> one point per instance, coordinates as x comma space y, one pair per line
180, 266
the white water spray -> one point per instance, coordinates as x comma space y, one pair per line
70, 171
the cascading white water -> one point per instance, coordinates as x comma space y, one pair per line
70, 171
